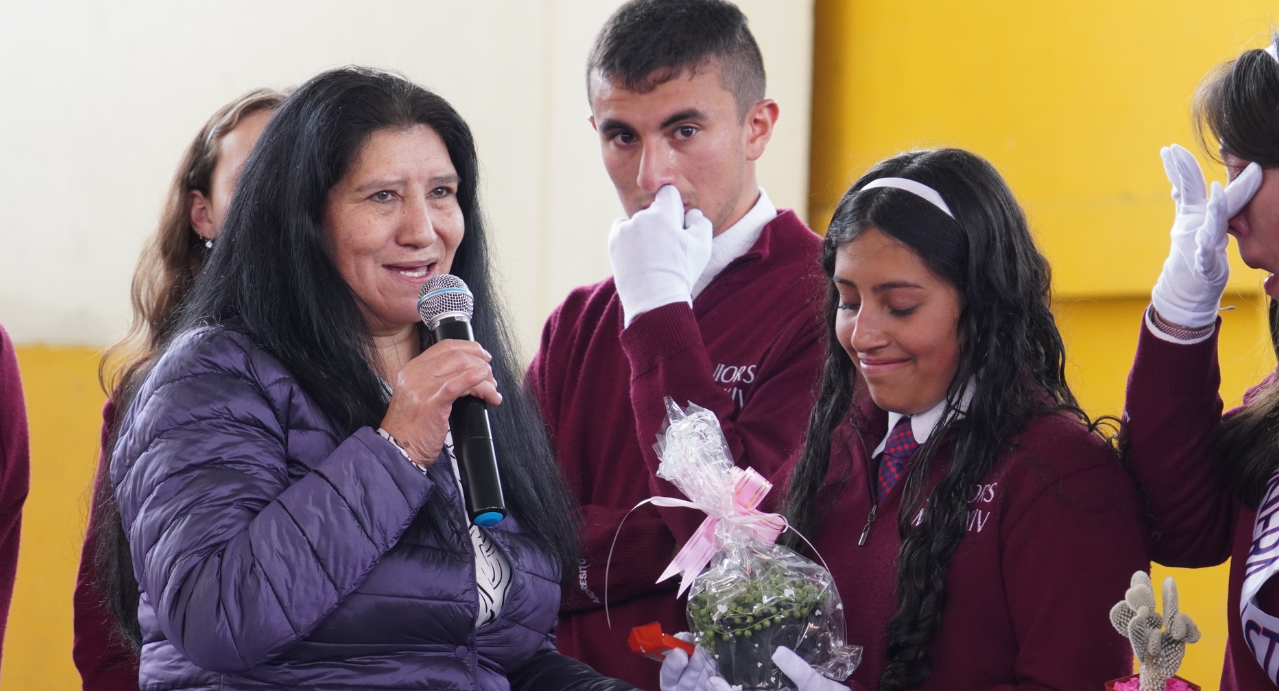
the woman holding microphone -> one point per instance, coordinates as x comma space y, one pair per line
283, 470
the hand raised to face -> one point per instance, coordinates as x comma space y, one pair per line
1188, 292
658, 254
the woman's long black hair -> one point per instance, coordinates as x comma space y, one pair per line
1238, 106
1009, 347
271, 277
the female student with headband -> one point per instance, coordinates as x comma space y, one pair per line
977, 524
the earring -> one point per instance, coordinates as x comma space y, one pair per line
208, 243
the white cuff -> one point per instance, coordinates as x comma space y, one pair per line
628, 317
404, 452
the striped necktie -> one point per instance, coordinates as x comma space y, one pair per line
898, 449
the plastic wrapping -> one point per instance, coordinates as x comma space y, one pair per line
753, 595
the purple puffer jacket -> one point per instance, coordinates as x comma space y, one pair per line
273, 550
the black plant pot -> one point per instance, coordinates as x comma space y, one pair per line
746, 660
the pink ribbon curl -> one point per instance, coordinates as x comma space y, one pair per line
749, 489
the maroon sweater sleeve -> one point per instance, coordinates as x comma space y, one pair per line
1068, 557
648, 544
668, 358
104, 661
15, 471
1172, 413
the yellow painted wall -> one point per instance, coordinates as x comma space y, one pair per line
1071, 102
64, 407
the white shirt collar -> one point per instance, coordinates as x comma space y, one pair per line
923, 424
737, 240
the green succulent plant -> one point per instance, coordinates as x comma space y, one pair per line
741, 621
759, 605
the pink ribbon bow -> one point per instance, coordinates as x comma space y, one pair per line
749, 489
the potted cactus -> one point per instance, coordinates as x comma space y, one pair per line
1159, 642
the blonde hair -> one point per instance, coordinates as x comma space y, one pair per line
174, 254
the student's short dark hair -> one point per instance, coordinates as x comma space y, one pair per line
648, 42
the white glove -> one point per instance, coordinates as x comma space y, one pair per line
1188, 292
681, 673
656, 260
801, 674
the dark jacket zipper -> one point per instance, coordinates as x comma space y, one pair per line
874, 508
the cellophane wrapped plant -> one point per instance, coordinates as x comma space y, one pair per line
754, 595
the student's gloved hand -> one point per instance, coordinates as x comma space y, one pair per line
658, 254
682, 673
801, 674
1188, 292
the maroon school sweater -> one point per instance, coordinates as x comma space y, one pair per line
1054, 534
105, 661
15, 471
749, 349
1173, 412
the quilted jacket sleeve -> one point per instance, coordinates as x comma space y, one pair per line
239, 557
550, 671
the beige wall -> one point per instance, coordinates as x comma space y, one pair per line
101, 99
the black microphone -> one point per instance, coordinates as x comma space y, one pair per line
446, 305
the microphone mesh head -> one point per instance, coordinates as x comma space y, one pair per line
444, 294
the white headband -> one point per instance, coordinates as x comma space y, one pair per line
1274, 53
918, 189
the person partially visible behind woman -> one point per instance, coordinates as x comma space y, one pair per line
1213, 479
172, 258
284, 472
979, 528
15, 471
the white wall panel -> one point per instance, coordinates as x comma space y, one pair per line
100, 98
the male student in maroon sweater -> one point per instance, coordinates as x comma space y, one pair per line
713, 301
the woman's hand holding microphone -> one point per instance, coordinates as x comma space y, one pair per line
1188, 292
423, 394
